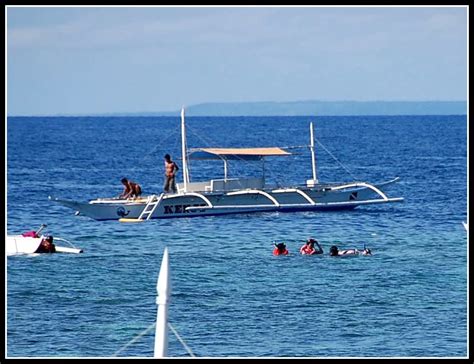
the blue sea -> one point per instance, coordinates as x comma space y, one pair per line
230, 296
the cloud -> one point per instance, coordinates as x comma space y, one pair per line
333, 29
260, 52
119, 28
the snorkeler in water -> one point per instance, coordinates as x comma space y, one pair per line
334, 251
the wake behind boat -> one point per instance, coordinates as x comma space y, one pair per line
234, 195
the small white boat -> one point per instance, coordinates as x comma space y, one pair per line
19, 245
234, 195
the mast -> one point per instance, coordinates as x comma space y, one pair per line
313, 157
183, 151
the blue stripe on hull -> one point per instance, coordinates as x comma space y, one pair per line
289, 209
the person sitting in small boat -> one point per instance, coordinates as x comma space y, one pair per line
46, 245
131, 190
280, 249
334, 251
309, 249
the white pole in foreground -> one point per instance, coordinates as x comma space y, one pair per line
163, 289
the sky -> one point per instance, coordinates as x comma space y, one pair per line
90, 60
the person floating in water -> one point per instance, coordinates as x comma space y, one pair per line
309, 249
131, 190
280, 249
334, 251
46, 245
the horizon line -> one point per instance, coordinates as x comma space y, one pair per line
137, 113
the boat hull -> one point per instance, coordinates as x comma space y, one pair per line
20, 245
17, 244
328, 197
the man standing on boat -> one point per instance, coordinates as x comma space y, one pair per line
170, 173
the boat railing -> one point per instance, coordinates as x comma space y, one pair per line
195, 187
224, 185
231, 184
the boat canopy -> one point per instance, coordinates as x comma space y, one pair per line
236, 153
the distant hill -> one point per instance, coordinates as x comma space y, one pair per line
308, 108
329, 108
333, 108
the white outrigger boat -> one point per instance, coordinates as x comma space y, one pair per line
30, 244
233, 195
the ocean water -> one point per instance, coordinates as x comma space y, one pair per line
230, 296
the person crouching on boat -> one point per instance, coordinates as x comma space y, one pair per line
131, 190
309, 249
46, 245
280, 249
170, 174
334, 251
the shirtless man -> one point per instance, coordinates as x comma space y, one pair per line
131, 189
170, 173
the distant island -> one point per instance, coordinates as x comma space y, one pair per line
304, 108
328, 108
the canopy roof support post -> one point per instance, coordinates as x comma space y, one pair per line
225, 169
183, 151
313, 157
